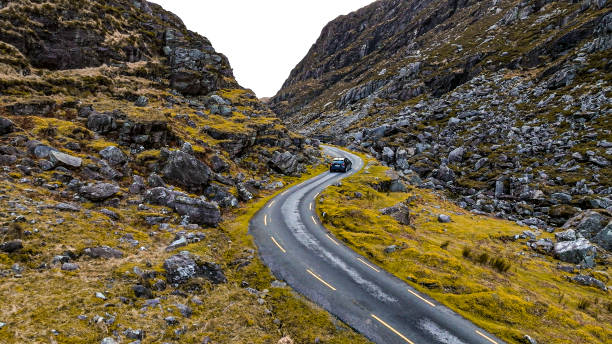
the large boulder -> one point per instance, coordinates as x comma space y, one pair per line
199, 211
101, 123
286, 162
182, 267
185, 170
6, 126
589, 281
588, 223
579, 251
444, 173
113, 155
388, 155
99, 191
604, 237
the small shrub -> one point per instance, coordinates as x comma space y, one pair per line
467, 252
483, 258
444, 245
501, 265
583, 304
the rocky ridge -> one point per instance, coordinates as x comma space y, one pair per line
503, 105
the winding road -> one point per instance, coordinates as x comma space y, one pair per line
299, 250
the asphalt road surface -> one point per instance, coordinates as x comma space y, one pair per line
299, 250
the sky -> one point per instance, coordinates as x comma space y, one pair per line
263, 39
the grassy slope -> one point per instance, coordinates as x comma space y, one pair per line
532, 297
46, 300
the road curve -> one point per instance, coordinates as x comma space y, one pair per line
299, 250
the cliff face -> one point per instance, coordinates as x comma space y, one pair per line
505, 104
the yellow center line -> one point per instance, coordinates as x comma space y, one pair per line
485, 337
392, 329
321, 280
330, 238
266, 220
368, 265
277, 244
313, 220
415, 294
269, 205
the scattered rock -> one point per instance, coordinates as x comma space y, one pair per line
182, 267
142, 291
11, 246
589, 281
6, 126
579, 251
391, 249
105, 252
70, 266
444, 218
141, 101
59, 158
113, 155
99, 191
568, 235
286, 162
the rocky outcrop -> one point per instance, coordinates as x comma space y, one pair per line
183, 267
6, 126
186, 171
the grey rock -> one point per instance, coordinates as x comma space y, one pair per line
243, 193
199, 211
400, 212
137, 186
604, 237
588, 223
589, 281
444, 173
171, 320
388, 155
134, 334
11, 246
444, 218
390, 248
141, 101
68, 207
579, 251
286, 162
187, 171
101, 123
185, 310
221, 195
59, 158
100, 295
543, 245
46, 165
182, 267
111, 214
70, 266
180, 242
218, 165
155, 180
568, 235
41, 151
6, 126
113, 155
456, 155
105, 252
99, 191
162, 196
142, 292
109, 340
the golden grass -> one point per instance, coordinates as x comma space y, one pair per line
532, 297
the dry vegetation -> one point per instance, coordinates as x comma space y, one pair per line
470, 264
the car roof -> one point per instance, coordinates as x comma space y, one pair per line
338, 158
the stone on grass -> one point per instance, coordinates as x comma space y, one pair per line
443, 218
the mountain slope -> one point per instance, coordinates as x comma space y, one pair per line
130, 159
506, 104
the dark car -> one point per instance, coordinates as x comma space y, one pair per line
340, 165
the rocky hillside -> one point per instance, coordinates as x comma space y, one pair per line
504, 104
129, 161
